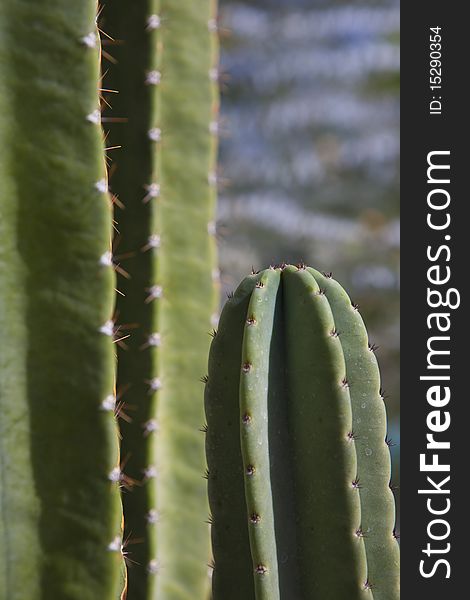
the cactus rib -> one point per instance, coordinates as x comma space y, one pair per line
185, 103
60, 508
230, 542
131, 171
324, 460
373, 456
254, 407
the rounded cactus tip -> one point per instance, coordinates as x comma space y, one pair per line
292, 360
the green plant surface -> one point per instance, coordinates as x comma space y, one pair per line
373, 456
165, 176
60, 508
298, 459
126, 119
230, 542
185, 105
254, 405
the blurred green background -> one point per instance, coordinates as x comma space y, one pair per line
309, 159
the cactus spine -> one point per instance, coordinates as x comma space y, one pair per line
60, 507
167, 81
296, 446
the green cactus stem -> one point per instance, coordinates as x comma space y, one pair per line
165, 176
126, 116
60, 507
298, 463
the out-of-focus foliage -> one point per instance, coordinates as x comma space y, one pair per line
309, 163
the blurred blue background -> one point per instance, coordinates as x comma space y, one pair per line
309, 152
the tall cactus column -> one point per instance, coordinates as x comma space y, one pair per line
166, 178
183, 291
298, 459
60, 507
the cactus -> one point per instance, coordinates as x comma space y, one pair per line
298, 464
165, 177
60, 507
298, 459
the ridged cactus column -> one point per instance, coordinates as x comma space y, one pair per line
126, 117
165, 176
184, 288
60, 507
298, 459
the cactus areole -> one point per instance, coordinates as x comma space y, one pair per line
298, 460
